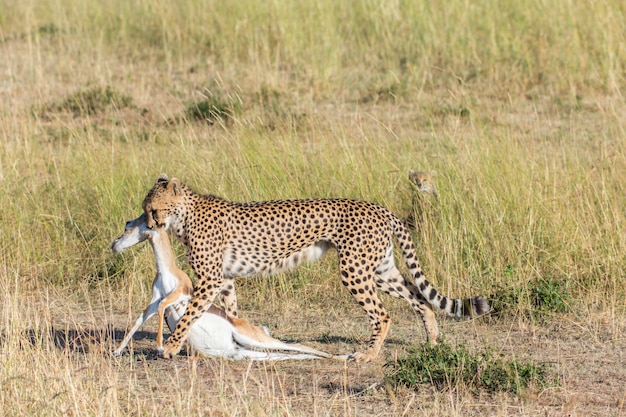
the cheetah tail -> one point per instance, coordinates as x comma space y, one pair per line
471, 307
459, 308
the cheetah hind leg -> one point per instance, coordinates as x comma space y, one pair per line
391, 281
379, 319
229, 297
375, 344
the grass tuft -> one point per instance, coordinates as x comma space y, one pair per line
535, 301
214, 109
447, 367
89, 102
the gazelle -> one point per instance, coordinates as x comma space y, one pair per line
214, 333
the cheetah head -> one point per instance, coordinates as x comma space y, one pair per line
161, 201
423, 180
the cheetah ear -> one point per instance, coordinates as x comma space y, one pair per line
162, 179
175, 186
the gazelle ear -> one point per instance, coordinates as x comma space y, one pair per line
175, 186
162, 179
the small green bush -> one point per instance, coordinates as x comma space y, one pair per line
213, 110
87, 102
447, 367
541, 296
94, 100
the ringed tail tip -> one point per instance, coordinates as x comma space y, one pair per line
474, 307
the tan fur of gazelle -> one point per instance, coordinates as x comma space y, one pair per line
214, 333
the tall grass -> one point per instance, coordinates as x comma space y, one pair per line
335, 47
557, 214
517, 106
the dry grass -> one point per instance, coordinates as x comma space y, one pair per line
518, 107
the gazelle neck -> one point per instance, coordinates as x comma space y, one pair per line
165, 261
163, 253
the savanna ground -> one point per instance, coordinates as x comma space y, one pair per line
517, 106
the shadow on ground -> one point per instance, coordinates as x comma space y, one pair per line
86, 340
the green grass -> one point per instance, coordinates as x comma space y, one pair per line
517, 106
337, 47
90, 101
213, 109
447, 367
539, 300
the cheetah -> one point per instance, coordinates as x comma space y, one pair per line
214, 333
227, 239
421, 201
424, 182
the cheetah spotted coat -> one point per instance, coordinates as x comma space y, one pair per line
226, 239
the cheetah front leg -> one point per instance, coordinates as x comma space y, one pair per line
208, 286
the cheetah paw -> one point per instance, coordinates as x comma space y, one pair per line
358, 357
168, 351
367, 356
